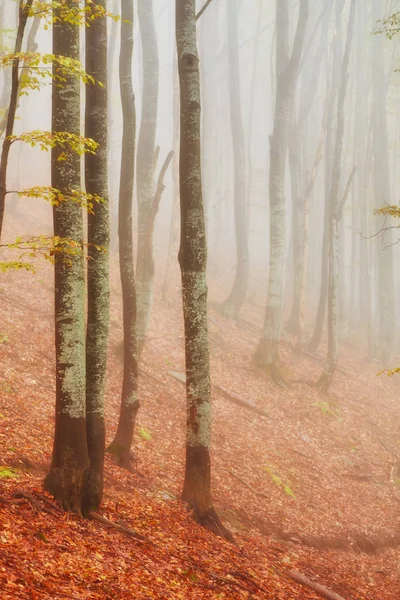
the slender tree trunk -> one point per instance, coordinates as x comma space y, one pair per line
145, 167
98, 312
24, 9
236, 298
121, 445
299, 187
174, 225
111, 84
70, 460
329, 151
325, 380
193, 262
287, 68
384, 249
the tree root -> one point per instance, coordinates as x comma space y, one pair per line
211, 521
94, 516
323, 591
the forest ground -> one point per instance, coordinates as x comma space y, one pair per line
313, 485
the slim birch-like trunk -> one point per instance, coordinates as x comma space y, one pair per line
236, 298
120, 447
70, 459
98, 299
382, 191
287, 69
325, 380
146, 164
193, 262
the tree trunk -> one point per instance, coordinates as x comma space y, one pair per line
325, 380
70, 460
146, 167
193, 262
121, 445
235, 300
9, 120
329, 151
98, 313
382, 191
287, 68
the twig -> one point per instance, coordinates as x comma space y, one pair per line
229, 581
93, 516
248, 486
201, 11
246, 577
323, 591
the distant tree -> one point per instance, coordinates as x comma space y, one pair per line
193, 261
234, 302
96, 180
146, 164
9, 117
70, 458
121, 445
336, 207
287, 70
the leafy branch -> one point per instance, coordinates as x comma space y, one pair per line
62, 139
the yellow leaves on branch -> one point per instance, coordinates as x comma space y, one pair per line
62, 139
388, 211
46, 247
69, 12
36, 67
55, 197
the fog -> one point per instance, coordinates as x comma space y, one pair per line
238, 77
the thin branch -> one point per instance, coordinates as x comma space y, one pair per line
321, 590
203, 9
346, 192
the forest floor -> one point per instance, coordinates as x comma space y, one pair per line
313, 485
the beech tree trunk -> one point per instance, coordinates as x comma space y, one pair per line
382, 191
9, 118
98, 312
287, 68
325, 380
146, 168
235, 300
121, 445
70, 460
329, 151
193, 262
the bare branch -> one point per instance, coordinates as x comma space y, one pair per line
203, 9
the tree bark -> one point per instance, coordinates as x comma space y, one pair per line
146, 167
98, 312
121, 445
193, 262
70, 460
236, 298
287, 69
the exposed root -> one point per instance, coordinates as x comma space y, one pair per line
321, 590
211, 521
122, 458
94, 516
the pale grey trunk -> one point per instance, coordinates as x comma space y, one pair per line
384, 250
335, 213
145, 168
174, 224
236, 298
287, 68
